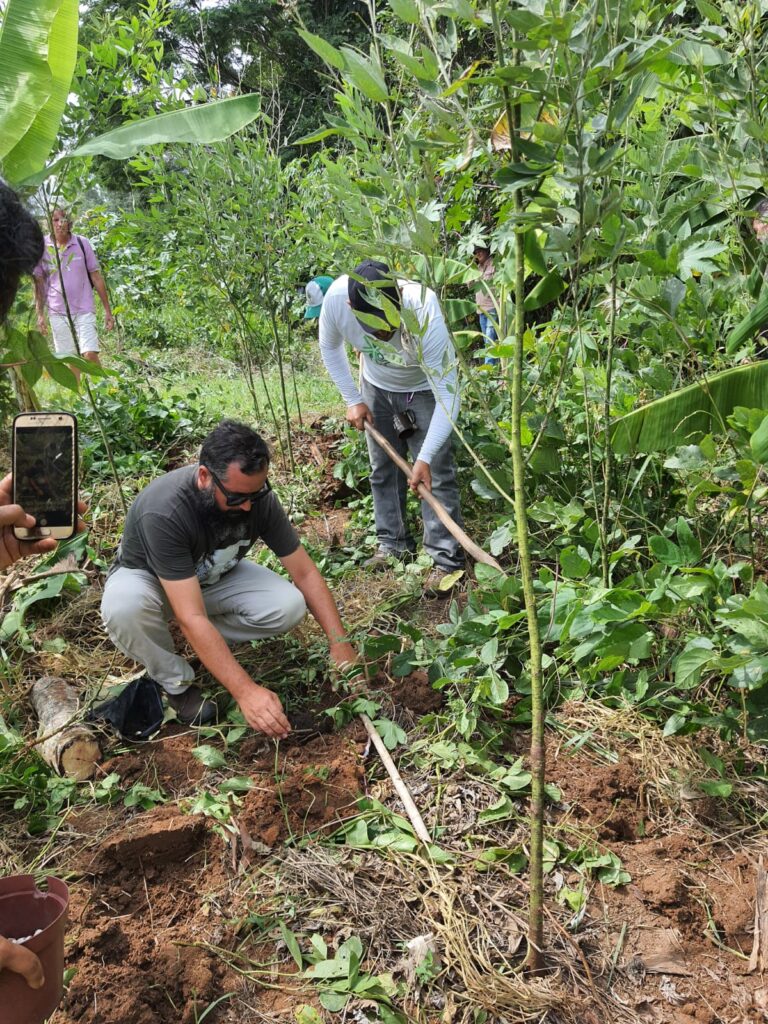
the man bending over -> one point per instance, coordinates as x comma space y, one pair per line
182, 555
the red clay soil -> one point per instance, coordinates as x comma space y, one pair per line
682, 929
142, 915
413, 692
134, 922
165, 763
309, 787
156, 891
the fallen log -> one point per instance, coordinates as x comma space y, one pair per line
70, 747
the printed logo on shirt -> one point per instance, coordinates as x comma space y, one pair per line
212, 567
384, 353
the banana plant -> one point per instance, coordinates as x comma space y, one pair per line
38, 46
686, 415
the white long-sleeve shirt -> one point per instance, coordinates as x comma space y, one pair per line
409, 361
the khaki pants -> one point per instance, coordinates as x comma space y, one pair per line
247, 603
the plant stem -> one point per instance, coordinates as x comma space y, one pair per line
535, 959
608, 462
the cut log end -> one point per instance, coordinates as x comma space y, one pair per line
69, 746
79, 758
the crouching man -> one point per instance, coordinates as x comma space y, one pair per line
182, 554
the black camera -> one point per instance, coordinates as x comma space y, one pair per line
404, 423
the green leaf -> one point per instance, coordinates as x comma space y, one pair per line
751, 676
391, 733
318, 136
209, 756
307, 1014
38, 50
336, 968
333, 1001
666, 551
406, 10
574, 562
449, 581
365, 75
716, 788
515, 860
673, 724
458, 309
501, 810
758, 442
755, 319
692, 412
323, 49
547, 290
292, 943
489, 652
238, 784
203, 124
690, 663
689, 544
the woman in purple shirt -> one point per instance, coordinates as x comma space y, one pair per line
65, 286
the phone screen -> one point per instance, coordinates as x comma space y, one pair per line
43, 477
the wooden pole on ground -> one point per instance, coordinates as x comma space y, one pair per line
402, 790
439, 509
70, 747
480, 556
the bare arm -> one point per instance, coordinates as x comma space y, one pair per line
40, 303
320, 602
101, 290
261, 708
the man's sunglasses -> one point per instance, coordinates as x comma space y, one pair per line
233, 499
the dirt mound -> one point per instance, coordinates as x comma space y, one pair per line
311, 786
166, 763
139, 928
606, 795
686, 917
413, 692
127, 978
162, 835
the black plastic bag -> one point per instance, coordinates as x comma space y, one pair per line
135, 713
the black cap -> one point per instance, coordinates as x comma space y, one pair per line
368, 278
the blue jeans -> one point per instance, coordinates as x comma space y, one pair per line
389, 486
488, 331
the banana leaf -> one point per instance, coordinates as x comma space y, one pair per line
755, 319
38, 49
687, 415
205, 123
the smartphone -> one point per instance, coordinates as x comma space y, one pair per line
45, 473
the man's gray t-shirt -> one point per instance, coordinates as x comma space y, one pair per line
168, 534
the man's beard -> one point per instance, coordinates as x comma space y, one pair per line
226, 524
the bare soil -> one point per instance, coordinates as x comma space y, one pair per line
681, 931
170, 911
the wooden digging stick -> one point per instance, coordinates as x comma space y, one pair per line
402, 790
439, 509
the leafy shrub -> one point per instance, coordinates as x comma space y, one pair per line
147, 431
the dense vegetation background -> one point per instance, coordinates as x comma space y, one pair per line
611, 153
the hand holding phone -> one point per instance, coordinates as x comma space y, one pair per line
11, 549
45, 475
